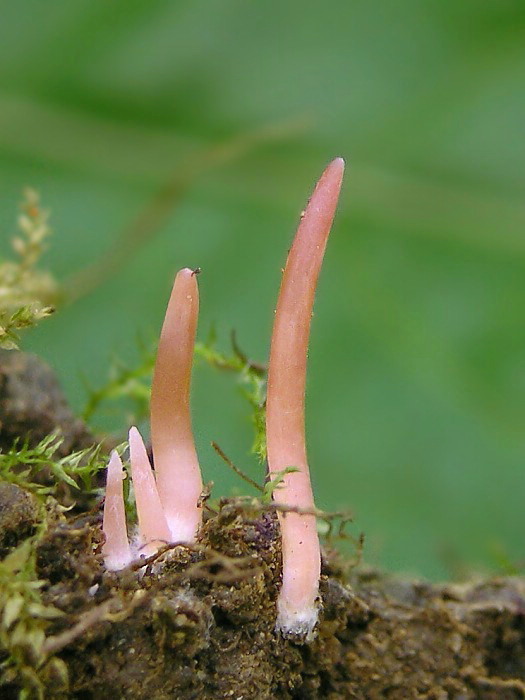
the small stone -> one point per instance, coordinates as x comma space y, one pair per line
18, 516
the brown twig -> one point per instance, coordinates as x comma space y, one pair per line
156, 211
258, 367
56, 643
236, 469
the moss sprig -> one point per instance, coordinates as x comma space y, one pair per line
251, 376
24, 619
24, 466
124, 382
27, 294
133, 382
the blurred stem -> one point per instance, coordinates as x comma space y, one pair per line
158, 209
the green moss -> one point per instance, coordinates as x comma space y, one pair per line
27, 294
42, 471
24, 619
133, 383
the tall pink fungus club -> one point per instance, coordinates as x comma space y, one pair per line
167, 502
297, 608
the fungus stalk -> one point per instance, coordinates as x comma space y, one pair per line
176, 464
297, 603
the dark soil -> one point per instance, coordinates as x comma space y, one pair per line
199, 622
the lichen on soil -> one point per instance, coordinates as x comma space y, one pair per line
198, 622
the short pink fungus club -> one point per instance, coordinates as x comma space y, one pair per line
168, 500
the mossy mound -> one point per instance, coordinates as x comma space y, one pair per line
199, 623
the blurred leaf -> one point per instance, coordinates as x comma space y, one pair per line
416, 392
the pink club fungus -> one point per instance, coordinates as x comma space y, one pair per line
116, 550
167, 502
168, 505
153, 528
285, 429
176, 463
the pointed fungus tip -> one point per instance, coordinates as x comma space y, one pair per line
137, 452
325, 196
336, 168
188, 272
138, 456
135, 439
115, 471
114, 463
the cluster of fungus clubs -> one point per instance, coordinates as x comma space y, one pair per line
168, 499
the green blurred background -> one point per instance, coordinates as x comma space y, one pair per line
416, 401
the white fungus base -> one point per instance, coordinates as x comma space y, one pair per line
297, 625
118, 561
184, 530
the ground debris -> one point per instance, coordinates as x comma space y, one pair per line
198, 622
